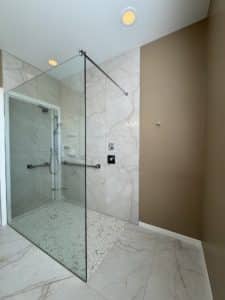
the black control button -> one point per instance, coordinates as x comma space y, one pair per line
111, 159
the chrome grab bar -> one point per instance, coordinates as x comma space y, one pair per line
30, 166
67, 163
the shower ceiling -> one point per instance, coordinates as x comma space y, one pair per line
40, 29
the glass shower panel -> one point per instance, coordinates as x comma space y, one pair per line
30, 141
46, 199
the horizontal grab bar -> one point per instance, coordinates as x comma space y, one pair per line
67, 163
30, 166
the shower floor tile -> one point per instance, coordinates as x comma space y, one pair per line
58, 228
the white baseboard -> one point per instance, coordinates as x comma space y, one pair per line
172, 234
186, 239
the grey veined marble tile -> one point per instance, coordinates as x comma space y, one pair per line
177, 272
23, 266
145, 265
142, 265
8, 235
68, 289
126, 269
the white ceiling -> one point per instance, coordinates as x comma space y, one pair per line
36, 30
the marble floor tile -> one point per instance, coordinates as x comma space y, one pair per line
23, 266
177, 272
68, 289
142, 265
145, 265
126, 269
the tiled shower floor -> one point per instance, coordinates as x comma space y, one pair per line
58, 228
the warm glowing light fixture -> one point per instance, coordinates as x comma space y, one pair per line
129, 16
52, 62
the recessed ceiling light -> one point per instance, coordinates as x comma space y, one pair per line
52, 62
129, 16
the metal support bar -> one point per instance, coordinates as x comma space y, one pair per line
30, 166
67, 163
82, 52
46, 164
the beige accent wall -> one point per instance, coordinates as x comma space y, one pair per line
214, 203
173, 92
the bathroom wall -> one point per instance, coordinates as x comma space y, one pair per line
174, 93
71, 102
1, 139
214, 202
29, 140
73, 138
114, 118
68, 95
111, 118
1, 83
15, 71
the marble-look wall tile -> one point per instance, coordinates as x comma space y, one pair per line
73, 139
17, 75
114, 118
111, 118
16, 71
1, 79
30, 143
30, 136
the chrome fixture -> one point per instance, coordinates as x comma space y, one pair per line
97, 166
45, 164
43, 108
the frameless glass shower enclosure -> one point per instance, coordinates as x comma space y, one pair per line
46, 157
46, 161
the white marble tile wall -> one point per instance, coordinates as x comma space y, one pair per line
111, 118
15, 71
73, 141
18, 74
30, 143
114, 118
71, 102
30, 138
